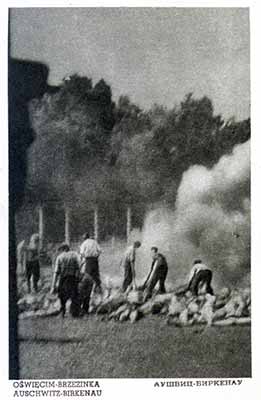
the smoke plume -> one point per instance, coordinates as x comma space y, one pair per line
211, 220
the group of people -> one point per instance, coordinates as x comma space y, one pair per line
76, 274
200, 274
157, 274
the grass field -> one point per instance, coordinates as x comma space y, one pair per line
52, 348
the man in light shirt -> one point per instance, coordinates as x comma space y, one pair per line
128, 263
90, 252
199, 275
32, 262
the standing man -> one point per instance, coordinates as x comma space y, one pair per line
85, 286
128, 263
32, 263
21, 256
90, 252
200, 274
158, 273
67, 268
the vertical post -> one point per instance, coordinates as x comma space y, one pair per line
128, 230
67, 217
96, 223
113, 241
41, 226
24, 262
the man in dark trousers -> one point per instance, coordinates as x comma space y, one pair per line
158, 273
85, 287
199, 275
90, 252
32, 264
67, 268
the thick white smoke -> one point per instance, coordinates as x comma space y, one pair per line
211, 221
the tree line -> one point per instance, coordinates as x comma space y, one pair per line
107, 162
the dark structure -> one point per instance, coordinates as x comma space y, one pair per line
26, 80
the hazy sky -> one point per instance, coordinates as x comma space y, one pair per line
151, 54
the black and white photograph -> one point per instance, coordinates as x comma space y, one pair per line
129, 193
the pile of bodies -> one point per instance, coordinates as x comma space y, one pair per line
38, 304
226, 307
